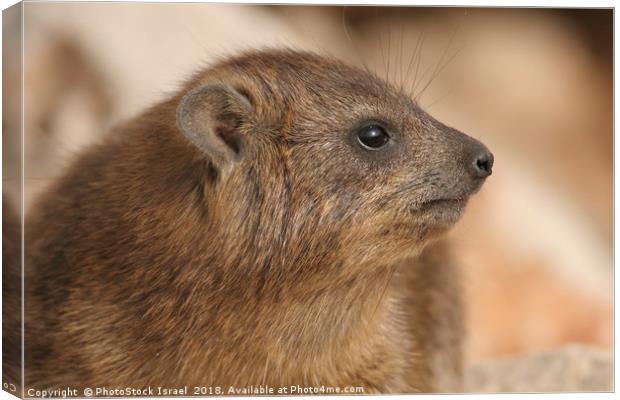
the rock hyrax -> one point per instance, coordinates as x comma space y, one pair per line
262, 226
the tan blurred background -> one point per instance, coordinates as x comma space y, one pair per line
535, 85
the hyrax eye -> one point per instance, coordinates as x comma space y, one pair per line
373, 137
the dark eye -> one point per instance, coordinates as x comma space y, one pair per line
373, 137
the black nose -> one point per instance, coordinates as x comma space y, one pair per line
483, 164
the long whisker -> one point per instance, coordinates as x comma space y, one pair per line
389, 51
441, 64
439, 70
383, 63
440, 98
400, 53
355, 48
414, 54
418, 64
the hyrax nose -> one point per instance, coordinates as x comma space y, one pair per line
482, 164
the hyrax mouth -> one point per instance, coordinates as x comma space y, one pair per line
442, 212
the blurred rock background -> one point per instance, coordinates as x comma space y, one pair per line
534, 84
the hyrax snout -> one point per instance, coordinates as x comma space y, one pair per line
460, 163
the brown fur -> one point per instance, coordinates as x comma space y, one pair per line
287, 262
11, 299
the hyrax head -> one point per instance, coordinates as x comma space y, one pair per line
308, 153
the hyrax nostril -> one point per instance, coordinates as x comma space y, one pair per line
483, 164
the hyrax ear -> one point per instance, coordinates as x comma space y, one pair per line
209, 116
